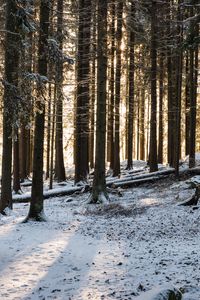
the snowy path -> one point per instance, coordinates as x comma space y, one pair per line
100, 255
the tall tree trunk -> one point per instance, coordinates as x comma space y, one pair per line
187, 106
23, 143
83, 97
52, 141
93, 88
161, 96
36, 206
142, 127
11, 82
116, 169
178, 73
59, 159
170, 83
99, 193
16, 174
50, 100
48, 130
110, 134
153, 122
192, 100
131, 91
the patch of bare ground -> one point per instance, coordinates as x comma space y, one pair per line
114, 210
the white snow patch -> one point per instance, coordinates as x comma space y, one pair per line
81, 257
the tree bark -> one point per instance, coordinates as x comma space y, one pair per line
131, 91
110, 134
36, 207
116, 169
83, 97
59, 158
161, 96
11, 82
99, 193
153, 122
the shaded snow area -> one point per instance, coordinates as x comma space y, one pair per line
141, 241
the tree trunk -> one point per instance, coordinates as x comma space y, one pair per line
116, 169
93, 88
36, 206
16, 174
131, 91
52, 141
59, 159
161, 96
192, 95
83, 97
153, 122
9, 99
187, 106
110, 134
99, 193
178, 73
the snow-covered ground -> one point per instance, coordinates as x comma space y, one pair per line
142, 240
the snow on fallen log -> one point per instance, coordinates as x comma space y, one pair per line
158, 174
51, 193
26, 183
136, 182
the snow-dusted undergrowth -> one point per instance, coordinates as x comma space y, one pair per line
94, 253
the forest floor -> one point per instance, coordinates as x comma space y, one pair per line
141, 240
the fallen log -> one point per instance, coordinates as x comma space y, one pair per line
26, 183
140, 177
52, 193
136, 182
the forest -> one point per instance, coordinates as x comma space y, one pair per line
99, 149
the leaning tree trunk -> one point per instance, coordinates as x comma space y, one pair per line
99, 193
10, 95
36, 206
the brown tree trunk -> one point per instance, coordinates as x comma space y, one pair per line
161, 96
192, 94
153, 122
110, 134
170, 141
187, 106
10, 94
83, 97
99, 193
93, 88
36, 206
59, 158
178, 93
51, 173
116, 169
131, 91
16, 174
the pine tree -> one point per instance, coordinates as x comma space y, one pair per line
99, 193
